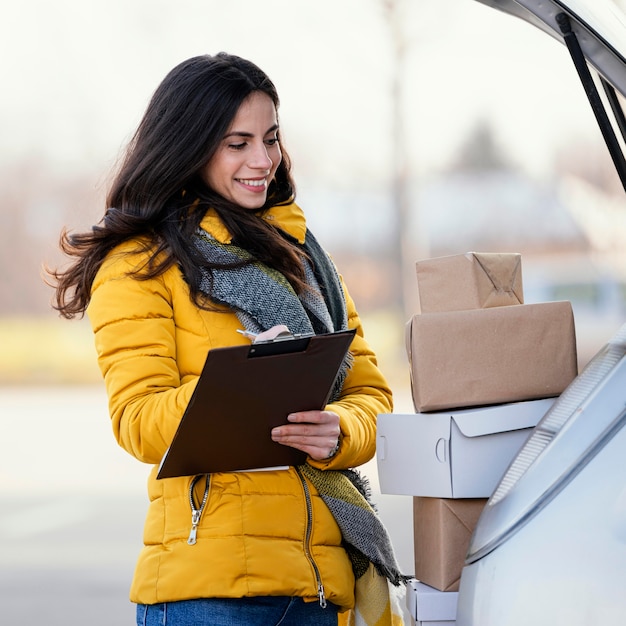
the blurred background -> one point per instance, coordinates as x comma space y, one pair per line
416, 129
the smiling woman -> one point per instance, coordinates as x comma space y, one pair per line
202, 239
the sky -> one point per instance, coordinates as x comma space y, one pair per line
77, 76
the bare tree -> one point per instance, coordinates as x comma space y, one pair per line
400, 245
409, 241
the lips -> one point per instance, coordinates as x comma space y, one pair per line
252, 182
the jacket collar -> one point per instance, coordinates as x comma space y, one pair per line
288, 217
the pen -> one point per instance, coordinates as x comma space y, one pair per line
247, 333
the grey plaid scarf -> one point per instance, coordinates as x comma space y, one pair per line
261, 298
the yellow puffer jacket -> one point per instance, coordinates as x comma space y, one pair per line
253, 536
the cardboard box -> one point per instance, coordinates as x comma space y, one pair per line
430, 607
442, 530
455, 454
491, 356
475, 280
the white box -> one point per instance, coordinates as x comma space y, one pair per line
453, 454
430, 607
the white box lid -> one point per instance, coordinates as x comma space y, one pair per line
453, 454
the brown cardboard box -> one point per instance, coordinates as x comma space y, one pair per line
442, 529
475, 280
491, 356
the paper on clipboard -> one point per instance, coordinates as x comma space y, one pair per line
245, 391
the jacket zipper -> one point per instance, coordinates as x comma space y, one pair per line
196, 511
307, 550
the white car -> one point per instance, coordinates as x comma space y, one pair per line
550, 545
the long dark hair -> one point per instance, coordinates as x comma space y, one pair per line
158, 196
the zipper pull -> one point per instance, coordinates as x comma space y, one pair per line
196, 513
195, 520
321, 595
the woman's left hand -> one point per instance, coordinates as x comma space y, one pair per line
314, 432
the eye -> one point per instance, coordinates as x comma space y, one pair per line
270, 141
237, 146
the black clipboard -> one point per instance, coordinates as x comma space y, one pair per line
245, 391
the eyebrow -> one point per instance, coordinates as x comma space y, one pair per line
240, 133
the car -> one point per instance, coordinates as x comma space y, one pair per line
550, 545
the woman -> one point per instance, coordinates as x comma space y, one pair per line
202, 239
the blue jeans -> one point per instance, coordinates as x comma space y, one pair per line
257, 611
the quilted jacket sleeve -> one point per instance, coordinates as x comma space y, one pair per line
136, 343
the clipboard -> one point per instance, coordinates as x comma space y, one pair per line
245, 391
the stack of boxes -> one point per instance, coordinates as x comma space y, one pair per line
485, 368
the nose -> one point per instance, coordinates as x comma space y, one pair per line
260, 158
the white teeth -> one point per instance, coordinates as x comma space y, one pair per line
252, 183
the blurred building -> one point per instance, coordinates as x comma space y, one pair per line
571, 235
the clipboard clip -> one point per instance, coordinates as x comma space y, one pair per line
285, 343
285, 335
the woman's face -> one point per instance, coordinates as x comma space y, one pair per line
246, 160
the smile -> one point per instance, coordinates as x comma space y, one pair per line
252, 183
